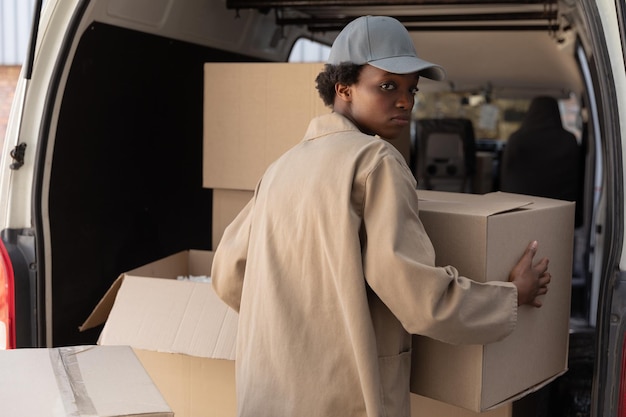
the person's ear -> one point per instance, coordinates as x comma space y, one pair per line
343, 92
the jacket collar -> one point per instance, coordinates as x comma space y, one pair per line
328, 124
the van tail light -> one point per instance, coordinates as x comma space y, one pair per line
7, 300
621, 411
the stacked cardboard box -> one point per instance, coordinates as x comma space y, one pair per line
253, 113
245, 130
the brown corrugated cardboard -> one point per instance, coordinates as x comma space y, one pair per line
98, 381
427, 407
253, 113
193, 386
182, 332
155, 311
226, 205
484, 236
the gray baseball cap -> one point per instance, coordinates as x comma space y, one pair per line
384, 43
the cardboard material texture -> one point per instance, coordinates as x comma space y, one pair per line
193, 386
484, 236
427, 407
153, 310
182, 332
226, 205
253, 113
95, 381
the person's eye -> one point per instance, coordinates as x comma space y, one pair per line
388, 86
414, 90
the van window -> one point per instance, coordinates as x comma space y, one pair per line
306, 50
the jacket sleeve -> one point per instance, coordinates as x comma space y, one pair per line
229, 260
399, 265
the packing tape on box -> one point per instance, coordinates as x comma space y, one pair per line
72, 389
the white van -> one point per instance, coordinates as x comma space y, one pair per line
101, 169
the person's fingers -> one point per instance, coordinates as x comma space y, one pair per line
525, 262
545, 279
543, 282
542, 266
528, 255
531, 250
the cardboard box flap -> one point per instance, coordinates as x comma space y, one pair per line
171, 316
190, 262
475, 205
99, 314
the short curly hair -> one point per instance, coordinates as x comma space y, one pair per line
325, 81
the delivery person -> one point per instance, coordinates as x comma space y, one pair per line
329, 266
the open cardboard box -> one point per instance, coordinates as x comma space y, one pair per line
483, 236
96, 381
181, 331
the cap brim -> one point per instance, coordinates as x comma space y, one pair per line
410, 64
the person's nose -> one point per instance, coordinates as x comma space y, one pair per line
405, 100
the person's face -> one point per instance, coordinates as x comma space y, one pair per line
379, 102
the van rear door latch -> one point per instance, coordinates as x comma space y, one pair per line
17, 154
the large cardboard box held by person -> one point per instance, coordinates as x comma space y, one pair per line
483, 236
427, 407
181, 331
95, 381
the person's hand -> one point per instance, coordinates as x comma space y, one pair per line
531, 280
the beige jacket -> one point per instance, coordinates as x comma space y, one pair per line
331, 270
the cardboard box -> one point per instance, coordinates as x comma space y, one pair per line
226, 205
483, 236
253, 113
193, 386
182, 332
427, 407
96, 381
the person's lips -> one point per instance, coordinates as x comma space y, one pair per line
401, 120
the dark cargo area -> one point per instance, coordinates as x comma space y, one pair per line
126, 180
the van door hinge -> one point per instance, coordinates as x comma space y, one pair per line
18, 156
